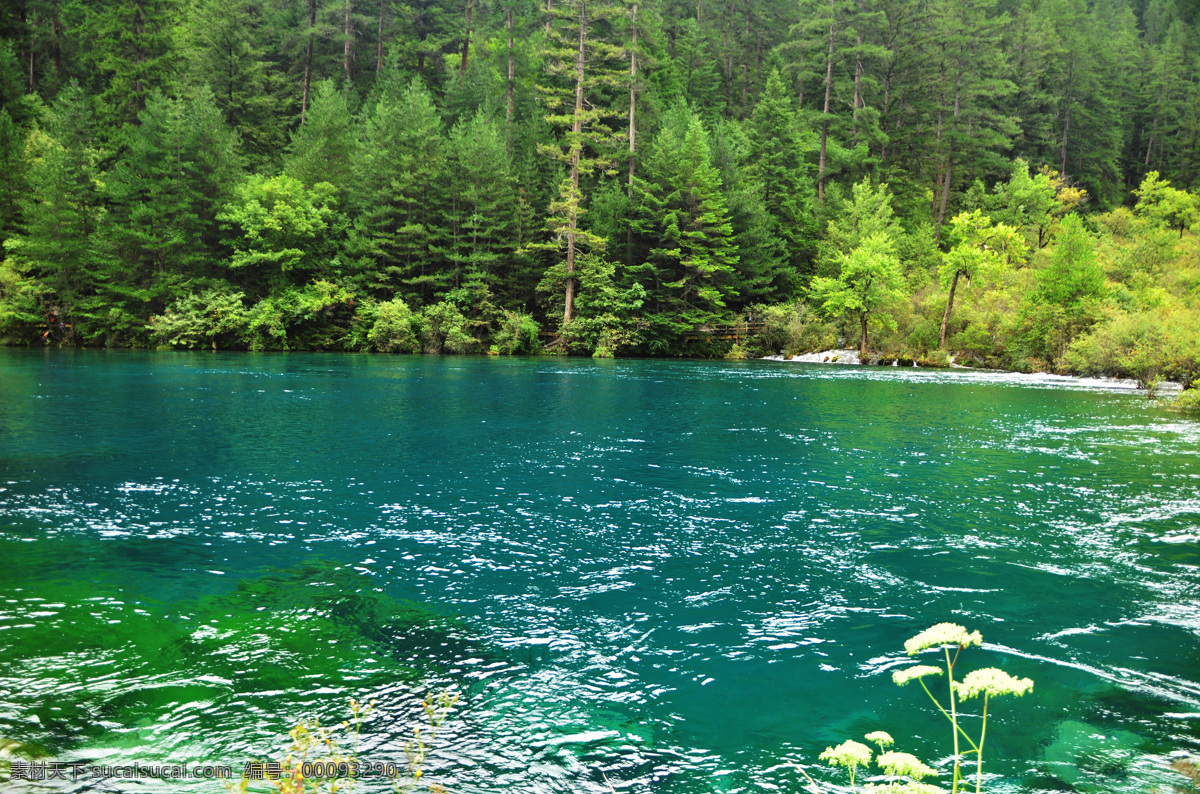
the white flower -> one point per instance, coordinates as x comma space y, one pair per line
903, 764
939, 635
990, 681
902, 677
848, 754
881, 738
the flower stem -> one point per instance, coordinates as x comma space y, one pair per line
979, 749
953, 717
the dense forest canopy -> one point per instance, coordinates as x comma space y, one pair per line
1005, 180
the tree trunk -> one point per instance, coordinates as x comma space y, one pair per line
825, 120
862, 345
632, 98
511, 70
949, 308
346, 47
950, 152
308, 57
379, 42
576, 144
1062, 169
466, 38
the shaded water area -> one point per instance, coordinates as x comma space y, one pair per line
686, 576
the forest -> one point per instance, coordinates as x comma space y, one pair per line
1010, 183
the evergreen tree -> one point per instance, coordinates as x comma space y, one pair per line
683, 216
398, 171
322, 149
133, 47
585, 60
479, 220
62, 245
778, 163
228, 45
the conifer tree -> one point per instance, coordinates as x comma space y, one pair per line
62, 245
777, 161
683, 216
581, 59
322, 148
133, 47
479, 218
398, 171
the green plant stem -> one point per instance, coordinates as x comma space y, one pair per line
946, 714
953, 717
979, 749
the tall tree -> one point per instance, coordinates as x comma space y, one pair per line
581, 58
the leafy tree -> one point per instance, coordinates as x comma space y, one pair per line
1163, 204
1074, 273
869, 280
280, 230
981, 249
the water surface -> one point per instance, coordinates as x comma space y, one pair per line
686, 576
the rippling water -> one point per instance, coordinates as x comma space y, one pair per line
686, 576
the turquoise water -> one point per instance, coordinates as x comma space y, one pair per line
684, 576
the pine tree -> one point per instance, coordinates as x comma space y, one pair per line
398, 171
683, 216
322, 148
778, 163
62, 246
133, 46
581, 54
228, 48
479, 219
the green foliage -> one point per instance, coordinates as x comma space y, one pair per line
396, 328
212, 317
794, 328
321, 149
682, 216
607, 320
444, 329
518, 334
278, 225
869, 279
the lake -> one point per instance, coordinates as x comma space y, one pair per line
685, 576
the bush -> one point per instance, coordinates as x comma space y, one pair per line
1188, 401
518, 334
794, 328
211, 317
443, 329
316, 316
395, 328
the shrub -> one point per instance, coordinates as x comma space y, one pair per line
518, 334
794, 328
211, 317
443, 329
395, 328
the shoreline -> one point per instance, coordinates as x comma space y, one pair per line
849, 358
